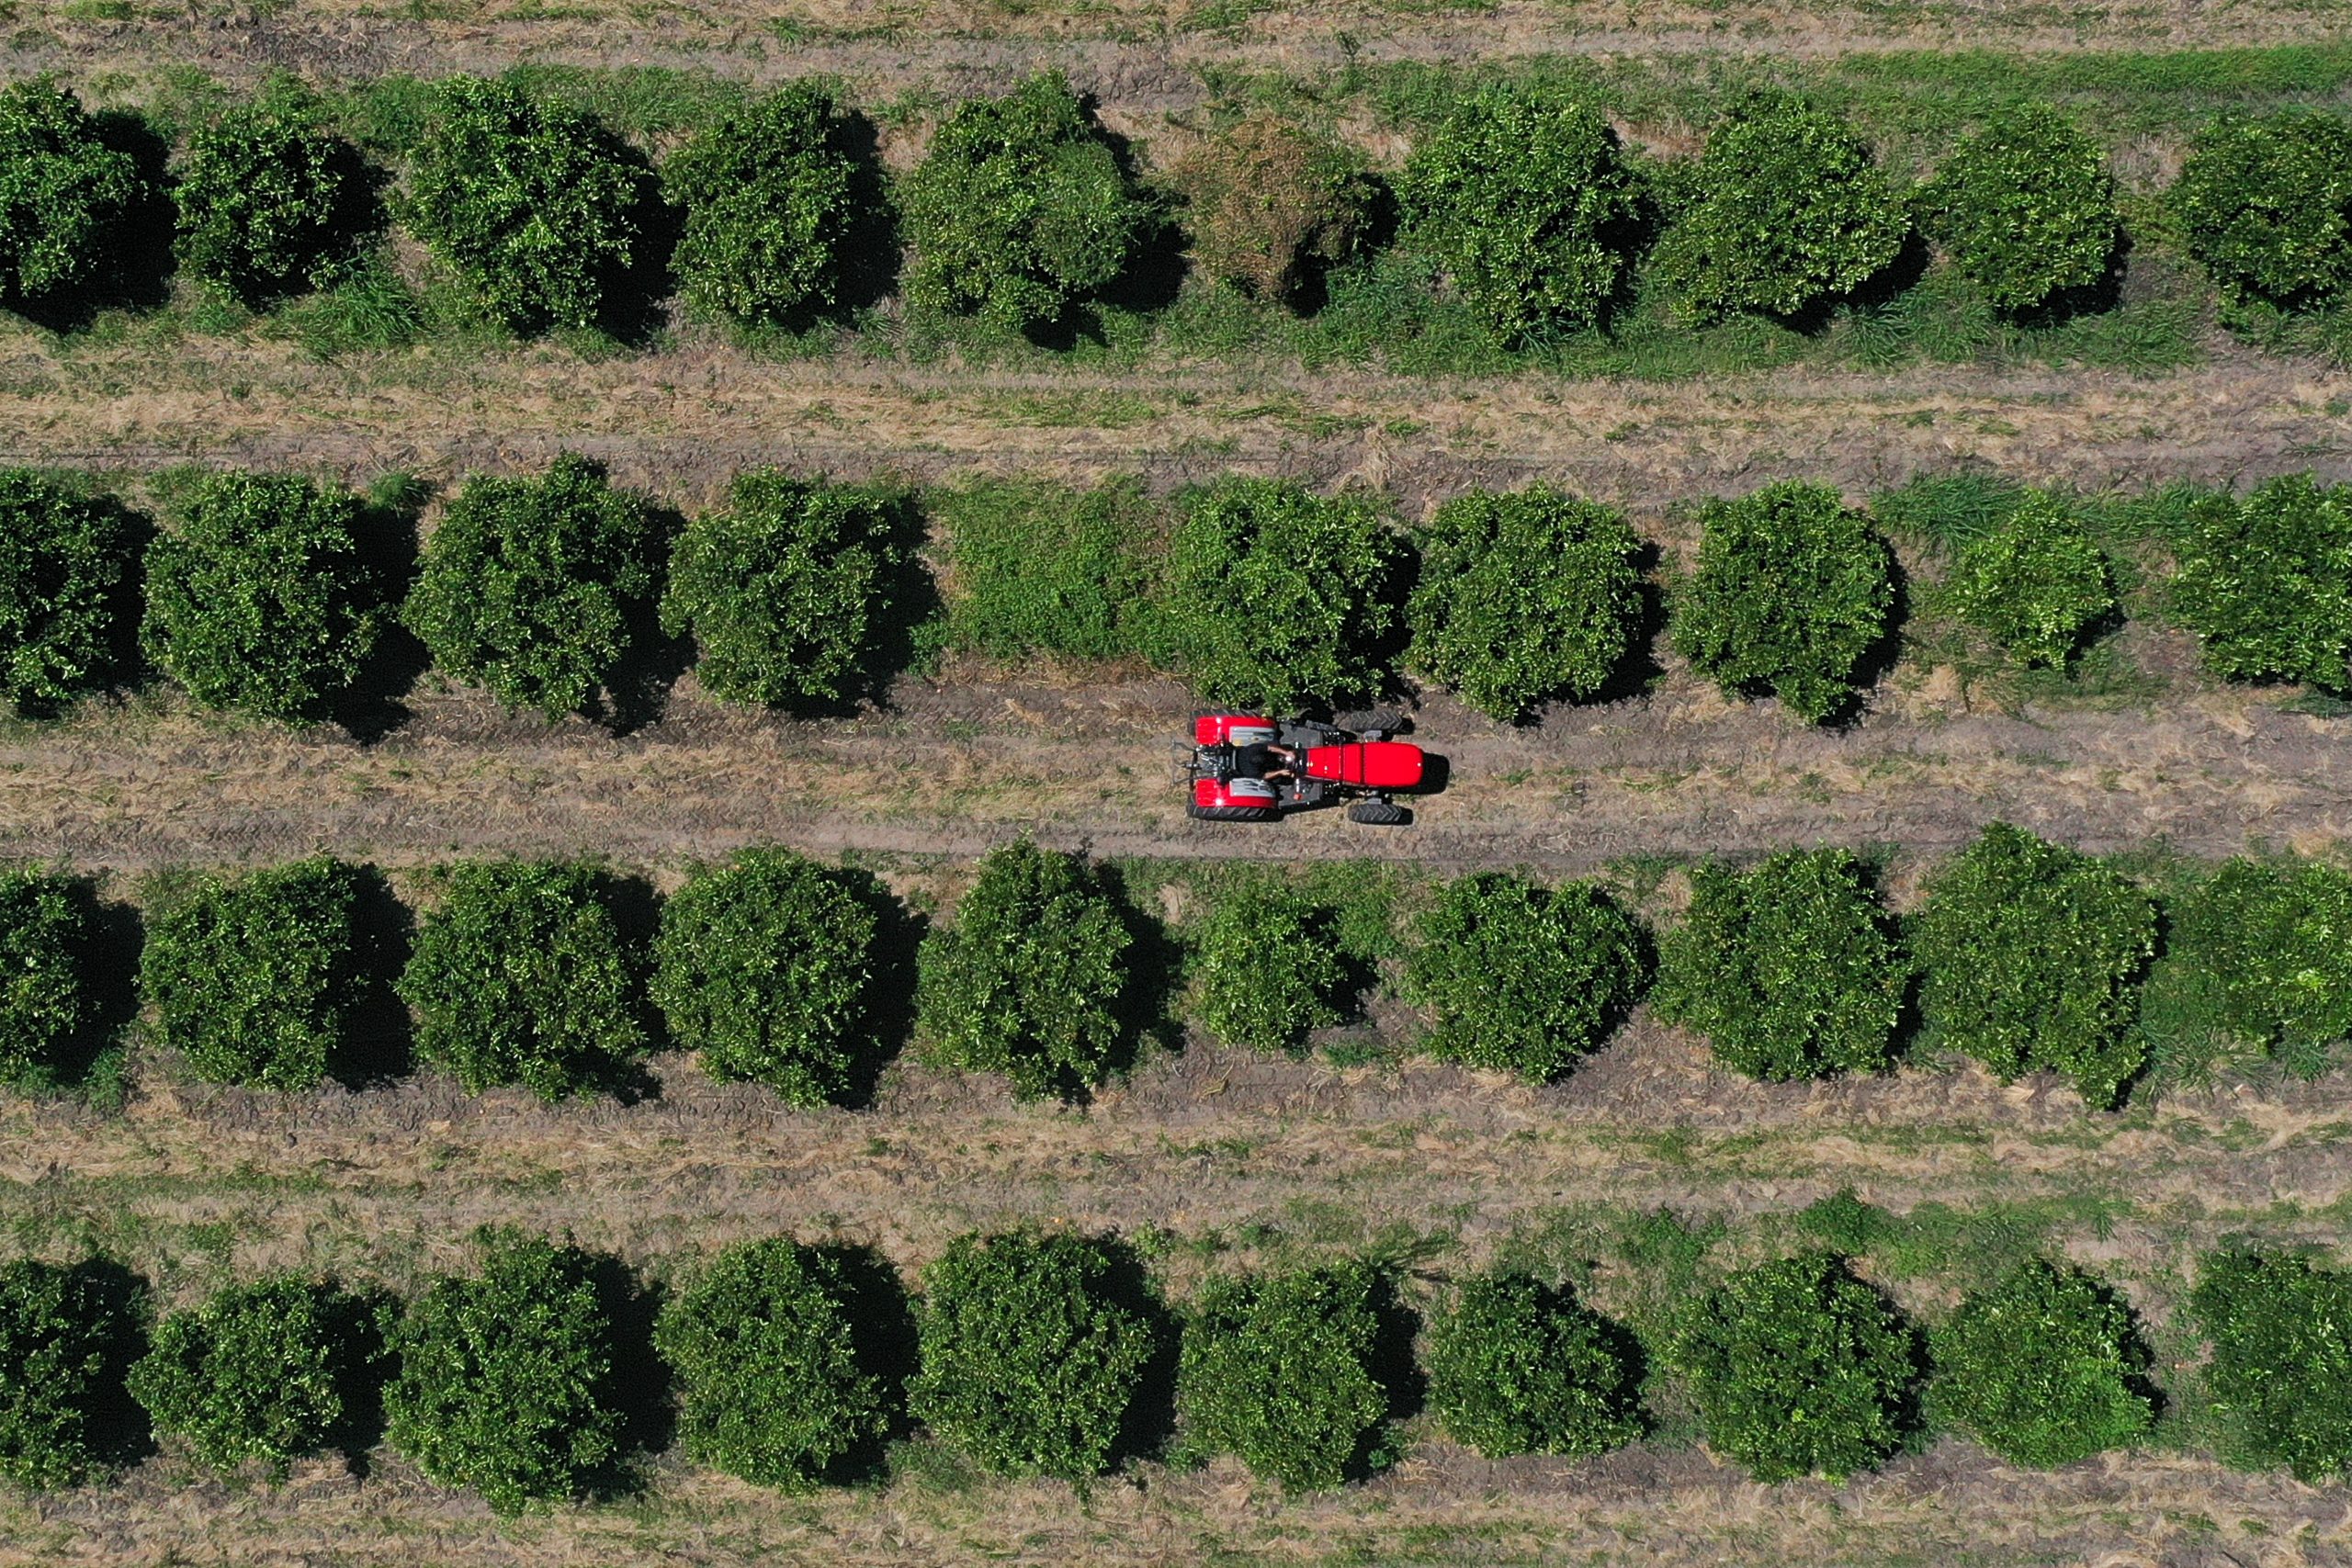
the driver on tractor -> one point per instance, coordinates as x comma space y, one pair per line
1258, 759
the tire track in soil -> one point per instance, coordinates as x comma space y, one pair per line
1142, 60
958, 767
679, 423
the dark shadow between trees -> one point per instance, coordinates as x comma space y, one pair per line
888, 1021
638, 1385
1155, 972
884, 1341
373, 706
362, 1321
119, 1428
1393, 1366
115, 934
635, 301
1147, 1429
379, 1046
636, 689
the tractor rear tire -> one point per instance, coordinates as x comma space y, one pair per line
1379, 814
1230, 813
1388, 721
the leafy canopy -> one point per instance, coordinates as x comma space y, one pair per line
1035, 567
2045, 1367
764, 1347
773, 193
1791, 590
1283, 1370
506, 1377
2036, 585
65, 575
1790, 970
2025, 208
533, 587
534, 205
1266, 967
522, 976
1276, 597
1798, 1368
2267, 205
48, 1000
1019, 209
1523, 977
2265, 583
2269, 943
765, 966
65, 194
1516, 1367
1525, 200
1271, 205
68, 1336
1030, 980
792, 592
270, 202
255, 978
2280, 1380
1787, 212
267, 1372
262, 598
2030, 955
1523, 598
1034, 1350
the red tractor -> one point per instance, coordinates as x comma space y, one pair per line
1246, 769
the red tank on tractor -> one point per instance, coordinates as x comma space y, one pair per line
1247, 768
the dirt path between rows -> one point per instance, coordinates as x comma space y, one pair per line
680, 423
960, 766
1144, 56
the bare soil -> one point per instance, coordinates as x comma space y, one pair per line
679, 422
954, 767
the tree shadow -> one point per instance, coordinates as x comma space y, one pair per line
379, 1043
1154, 964
112, 936
2139, 1360
636, 689
638, 1386
386, 533
633, 304
1877, 292
2094, 298
635, 908
135, 269
1879, 659
1638, 671
1395, 1368
1147, 1426
119, 1431
888, 1021
361, 1322
884, 1342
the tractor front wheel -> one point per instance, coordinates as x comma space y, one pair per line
1379, 814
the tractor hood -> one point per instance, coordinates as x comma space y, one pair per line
1374, 764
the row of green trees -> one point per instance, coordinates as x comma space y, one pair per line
2025, 955
546, 1372
274, 595
1022, 206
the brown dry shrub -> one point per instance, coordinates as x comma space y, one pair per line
1272, 204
